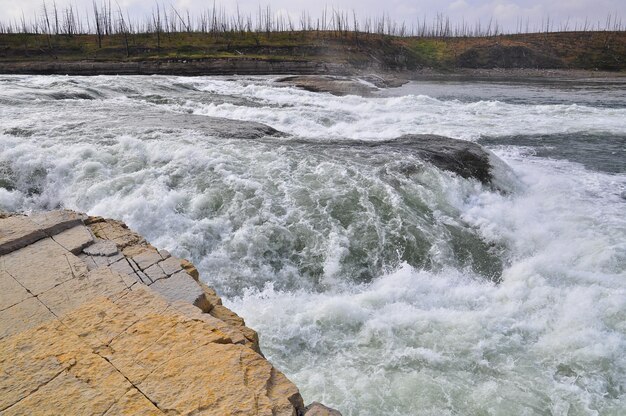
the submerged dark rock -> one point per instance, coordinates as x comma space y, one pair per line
216, 126
466, 159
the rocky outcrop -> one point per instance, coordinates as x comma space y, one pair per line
341, 85
331, 84
318, 409
94, 320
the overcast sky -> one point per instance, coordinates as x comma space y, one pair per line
506, 12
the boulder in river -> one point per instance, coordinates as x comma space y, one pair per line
341, 85
326, 83
464, 158
216, 126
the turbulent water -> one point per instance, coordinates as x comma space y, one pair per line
380, 284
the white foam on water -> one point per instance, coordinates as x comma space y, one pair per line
550, 338
277, 228
310, 115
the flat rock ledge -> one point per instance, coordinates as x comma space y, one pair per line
94, 320
363, 85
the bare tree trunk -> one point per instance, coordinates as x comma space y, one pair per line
47, 26
97, 19
124, 30
56, 18
157, 25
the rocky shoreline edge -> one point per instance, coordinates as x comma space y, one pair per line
260, 67
183, 67
95, 320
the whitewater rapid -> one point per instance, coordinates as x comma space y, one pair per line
379, 284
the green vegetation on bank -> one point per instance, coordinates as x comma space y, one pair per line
605, 50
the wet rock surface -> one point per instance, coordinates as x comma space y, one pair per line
363, 85
466, 159
216, 126
94, 320
331, 84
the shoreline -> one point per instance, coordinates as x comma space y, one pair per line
251, 67
181, 67
517, 74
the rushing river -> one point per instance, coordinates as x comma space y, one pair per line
379, 284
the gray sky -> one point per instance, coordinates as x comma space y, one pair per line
506, 12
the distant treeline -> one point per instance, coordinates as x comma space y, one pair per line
107, 18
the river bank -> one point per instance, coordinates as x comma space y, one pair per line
312, 52
253, 67
183, 67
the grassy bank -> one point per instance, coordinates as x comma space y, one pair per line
603, 50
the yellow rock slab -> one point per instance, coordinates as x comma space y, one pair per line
48, 370
11, 292
193, 312
73, 293
155, 340
25, 315
74, 239
116, 231
134, 403
99, 322
54, 222
17, 232
79, 342
42, 265
106, 357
